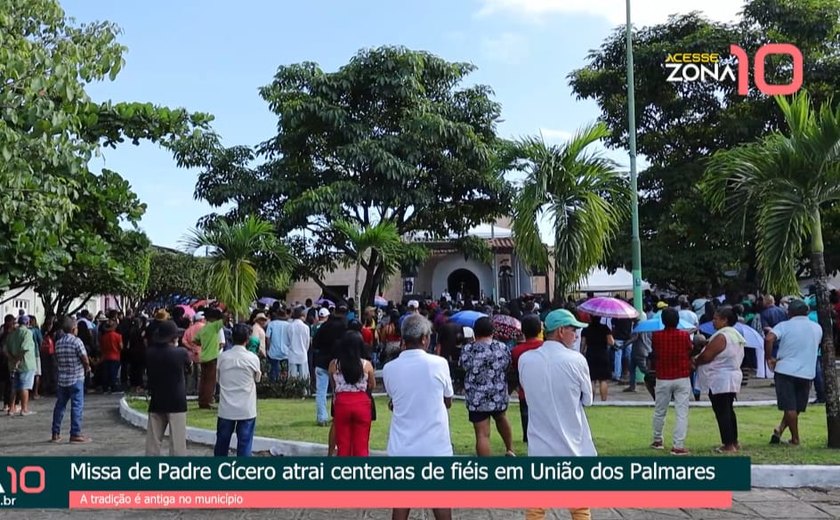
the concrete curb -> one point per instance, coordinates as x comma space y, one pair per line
788, 476
763, 475
276, 447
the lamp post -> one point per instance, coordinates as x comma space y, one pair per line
634, 196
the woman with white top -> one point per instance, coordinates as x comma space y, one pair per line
354, 378
719, 372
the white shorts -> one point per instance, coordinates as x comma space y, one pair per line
37, 366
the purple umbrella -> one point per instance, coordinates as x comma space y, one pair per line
609, 308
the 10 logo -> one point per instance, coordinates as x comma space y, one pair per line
761, 54
19, 482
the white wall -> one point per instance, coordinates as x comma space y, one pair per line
30, 302
453, 262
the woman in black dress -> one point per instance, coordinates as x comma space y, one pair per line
596, 340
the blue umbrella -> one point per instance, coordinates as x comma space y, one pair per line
466, 318
654, 324
754, 339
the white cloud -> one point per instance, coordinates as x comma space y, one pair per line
643, 12
509, 48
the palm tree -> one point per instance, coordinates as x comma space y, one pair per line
362, 242
240, 254
584, 195
788, 178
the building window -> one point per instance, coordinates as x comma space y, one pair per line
21, 304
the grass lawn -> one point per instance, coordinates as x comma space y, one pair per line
618, 431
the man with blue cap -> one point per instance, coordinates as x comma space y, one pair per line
556, 380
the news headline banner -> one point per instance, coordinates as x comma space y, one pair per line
47, 482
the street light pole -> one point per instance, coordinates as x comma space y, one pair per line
634, 200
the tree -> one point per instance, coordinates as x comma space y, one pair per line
173, 278
382, 239
240, 254
584, 196
42, 58
50, 129
389, 138
681, 124
118, 267
790, 177
101, 257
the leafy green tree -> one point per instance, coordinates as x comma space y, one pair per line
173, 277
392, 137
240, 254
50, 129
119, 267
790, 177
581, 192
384, 240
101, 256
680, 124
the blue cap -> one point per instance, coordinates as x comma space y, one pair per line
562, 318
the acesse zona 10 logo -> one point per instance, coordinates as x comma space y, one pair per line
29, 480
707, 66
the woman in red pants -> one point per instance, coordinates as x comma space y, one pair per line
354, 378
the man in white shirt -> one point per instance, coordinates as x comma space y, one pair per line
238, 375
297, 339
278, 348
558, 379
686, 314
420, 389
795, 365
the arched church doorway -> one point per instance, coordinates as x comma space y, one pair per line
465, 282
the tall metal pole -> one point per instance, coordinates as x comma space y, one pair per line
634, 200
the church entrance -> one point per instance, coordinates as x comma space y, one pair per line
465, 282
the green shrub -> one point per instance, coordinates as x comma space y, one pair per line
291, 388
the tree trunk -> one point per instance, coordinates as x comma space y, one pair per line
356, 287
48, 303
832, 398
369, 287
80, 306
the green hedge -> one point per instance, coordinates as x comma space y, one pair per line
284, 389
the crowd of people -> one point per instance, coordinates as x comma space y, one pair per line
555, 360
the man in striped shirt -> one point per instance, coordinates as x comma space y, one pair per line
72, 362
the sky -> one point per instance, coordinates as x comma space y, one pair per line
212, 56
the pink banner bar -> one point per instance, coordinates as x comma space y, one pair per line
392, 499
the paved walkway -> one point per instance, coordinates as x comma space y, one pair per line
21, 436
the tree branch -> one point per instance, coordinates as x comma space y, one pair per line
80, 306
15, 295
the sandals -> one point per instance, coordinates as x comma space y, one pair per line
510, 453
79, 440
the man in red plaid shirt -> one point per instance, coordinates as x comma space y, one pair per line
672, 362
